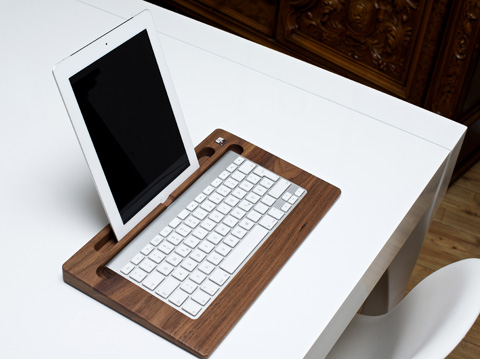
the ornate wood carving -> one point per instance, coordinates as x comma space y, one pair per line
429, 49
458, 55
260, 12
377, 33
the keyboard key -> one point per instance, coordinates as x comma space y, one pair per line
156, 240
231, 240
268, 222
147, 249
222, 229
174, 259
192, 222
243, 249
239, 160
201, 297
259, 171
254, 216
246, 186
280, 187
286, 207
223, 249
165, 268
286, 196
206, 246
247, 167
200, 213
292, 199
200, 198
209, 287
214, 237
216, 182
157, 256
219, 277
175, 238
239, 232
230, 183
208, 224
260, 190
276, 213
230, 221
206, 267
175, 222
189, 286
231, 201
253, 178
299, 192
148, 265
191, 241
138, 274
183, 214
224, 175
137, 259
238, 213
180, 273
245, 205
216, 198
153, 280
198, 277
215, 258
266, 182
166, 231
198, 255
252, 197
192, 206
178, 297
232, 168
269, 201
271, 175
183, 250
167, 287
246, 224
208, 205
224, 208
216, 216
261, 208
191, 307
238, 176
239, 193
183, 230
127, 268
208, 190
200, 233
189, 264
166, 247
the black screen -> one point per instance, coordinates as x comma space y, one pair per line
127, 112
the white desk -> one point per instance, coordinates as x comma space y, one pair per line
391, 160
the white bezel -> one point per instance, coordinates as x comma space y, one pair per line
83, 58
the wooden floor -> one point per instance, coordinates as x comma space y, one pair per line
455, 235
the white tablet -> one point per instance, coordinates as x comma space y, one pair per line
123, 107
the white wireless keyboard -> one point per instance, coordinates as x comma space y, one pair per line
187, 255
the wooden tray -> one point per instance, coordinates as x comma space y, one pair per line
86, 270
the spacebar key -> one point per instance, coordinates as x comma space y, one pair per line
244, 248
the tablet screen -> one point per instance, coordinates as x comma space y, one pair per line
127, 112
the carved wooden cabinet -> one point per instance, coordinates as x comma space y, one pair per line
423, 51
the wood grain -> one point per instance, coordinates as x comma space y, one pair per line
455, 235
86, 271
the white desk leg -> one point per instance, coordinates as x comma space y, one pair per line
391, 288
